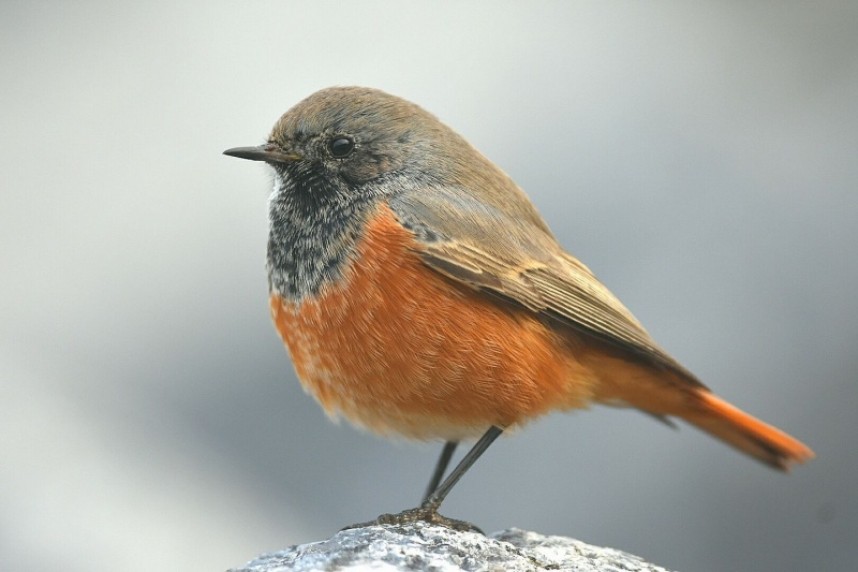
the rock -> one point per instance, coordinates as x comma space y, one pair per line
422, 546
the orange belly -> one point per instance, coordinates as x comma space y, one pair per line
397, 348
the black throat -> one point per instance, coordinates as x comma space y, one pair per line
315, 223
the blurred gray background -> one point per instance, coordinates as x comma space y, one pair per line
701, 158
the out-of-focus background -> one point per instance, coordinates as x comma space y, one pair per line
702, 159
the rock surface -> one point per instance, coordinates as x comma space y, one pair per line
422, 546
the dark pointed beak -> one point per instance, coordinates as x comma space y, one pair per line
269, 153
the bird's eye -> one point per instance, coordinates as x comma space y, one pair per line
340, 146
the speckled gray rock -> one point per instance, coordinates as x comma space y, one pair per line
426, 547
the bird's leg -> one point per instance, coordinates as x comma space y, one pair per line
440, 467
437, 497
428, 510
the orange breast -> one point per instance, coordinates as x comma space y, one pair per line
397, 348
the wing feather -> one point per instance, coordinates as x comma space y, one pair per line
486, 249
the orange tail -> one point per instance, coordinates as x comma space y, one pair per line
746, 433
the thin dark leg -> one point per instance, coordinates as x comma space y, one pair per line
437, 497
440, 467
428, 511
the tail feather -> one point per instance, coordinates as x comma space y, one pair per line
746, 433
664, 393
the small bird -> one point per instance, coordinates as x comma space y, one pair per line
420, 294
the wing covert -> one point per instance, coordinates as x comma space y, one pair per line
483, 247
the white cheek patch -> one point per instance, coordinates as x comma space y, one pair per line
277, 183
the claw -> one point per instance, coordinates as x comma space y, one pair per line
420, 514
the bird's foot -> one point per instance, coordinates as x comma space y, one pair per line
426, 514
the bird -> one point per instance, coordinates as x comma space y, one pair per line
420, 294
